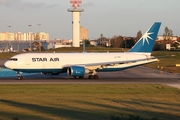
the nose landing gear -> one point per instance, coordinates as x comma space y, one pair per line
20, 77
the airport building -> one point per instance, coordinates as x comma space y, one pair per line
6, 36
42, 36
19, 36
83, 33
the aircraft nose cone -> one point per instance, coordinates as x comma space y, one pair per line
7, 64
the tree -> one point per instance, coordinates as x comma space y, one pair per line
157, 46
129, 42
117, 41
139, 35
87, 43
102, 41
37, 46
168, 36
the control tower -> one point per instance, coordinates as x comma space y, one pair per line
76, 8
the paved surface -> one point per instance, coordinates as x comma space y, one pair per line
137, 75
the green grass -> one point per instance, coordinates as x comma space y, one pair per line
166, 61
88, 102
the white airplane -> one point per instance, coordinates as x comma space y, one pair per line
79, 64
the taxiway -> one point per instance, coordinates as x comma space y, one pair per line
137, 75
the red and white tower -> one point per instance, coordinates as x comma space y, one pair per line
76, 9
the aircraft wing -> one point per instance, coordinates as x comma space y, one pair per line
124, 64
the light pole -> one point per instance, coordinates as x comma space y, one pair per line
39, 27
30, 36
9, 28
9, 35
125, 45
30, 28
39, 37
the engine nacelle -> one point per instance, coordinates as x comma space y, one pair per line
77, 71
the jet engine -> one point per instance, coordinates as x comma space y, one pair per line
77, 71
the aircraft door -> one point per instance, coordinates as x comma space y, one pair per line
27, 60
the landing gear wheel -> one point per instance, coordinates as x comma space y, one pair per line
76, 77
96, 77
93, 77
20, 77
90, 76
81, 77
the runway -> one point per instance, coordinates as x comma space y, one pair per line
137, 75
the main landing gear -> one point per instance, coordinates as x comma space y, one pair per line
79, 77
90, 77
20, 77
93, 77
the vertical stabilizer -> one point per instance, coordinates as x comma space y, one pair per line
146, 43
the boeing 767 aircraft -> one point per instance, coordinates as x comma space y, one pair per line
79, 64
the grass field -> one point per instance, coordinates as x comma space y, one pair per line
88, 102
166, 61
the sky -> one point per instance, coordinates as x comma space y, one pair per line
107, 17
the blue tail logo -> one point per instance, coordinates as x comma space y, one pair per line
146, 43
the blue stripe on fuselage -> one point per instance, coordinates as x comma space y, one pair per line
39, 70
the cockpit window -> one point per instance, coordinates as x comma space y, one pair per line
13, 59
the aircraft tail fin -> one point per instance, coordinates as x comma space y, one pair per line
146, 43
